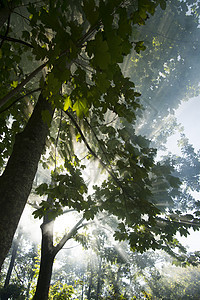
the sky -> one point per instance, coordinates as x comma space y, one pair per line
188, 114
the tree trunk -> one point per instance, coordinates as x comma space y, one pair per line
99, 280
17, 179
11, 265
44, 279
90, 285
47, 258
48, 253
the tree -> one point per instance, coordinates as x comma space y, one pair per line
166, 73
85, 91
172, 282
81, 65
17, 272
11, 265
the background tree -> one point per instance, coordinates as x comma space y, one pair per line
18, 273
167, 284
166, 73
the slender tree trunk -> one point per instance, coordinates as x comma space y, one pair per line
47, 258
82, 291
11, 265
48, 253
46, 266
17, 179
90, 285
99, 280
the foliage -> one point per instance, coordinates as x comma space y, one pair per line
23, 271
79, 46
13, 291
166, 73
174, 283
82, 58
60, 291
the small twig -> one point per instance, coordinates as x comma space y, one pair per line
10, 39
84, 58
68, 210
13, 92
25, 18
25, 5
92, 152
85, 67
18, 99
181, 222
71, 247
18, 275
67, 236
102, 149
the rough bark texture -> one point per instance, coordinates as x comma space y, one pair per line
17, 179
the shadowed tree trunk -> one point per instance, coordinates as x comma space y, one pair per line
48, 253
47, 257
17, 179
12, 262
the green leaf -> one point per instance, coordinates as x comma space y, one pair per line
99, 48
91, 11
26, 35
163, 4
139, 46
42, 189
14, 84
124, 24
46, 117
81, 108
67, 103
102, 82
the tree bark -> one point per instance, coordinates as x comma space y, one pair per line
48, 253
17, 179
47, 258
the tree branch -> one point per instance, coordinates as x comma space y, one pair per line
102, 149
92, 152
10, 39
80, 43
181, 222
68, 210
15, 91
18, 99
67, 236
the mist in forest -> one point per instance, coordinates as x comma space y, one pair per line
95, 262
